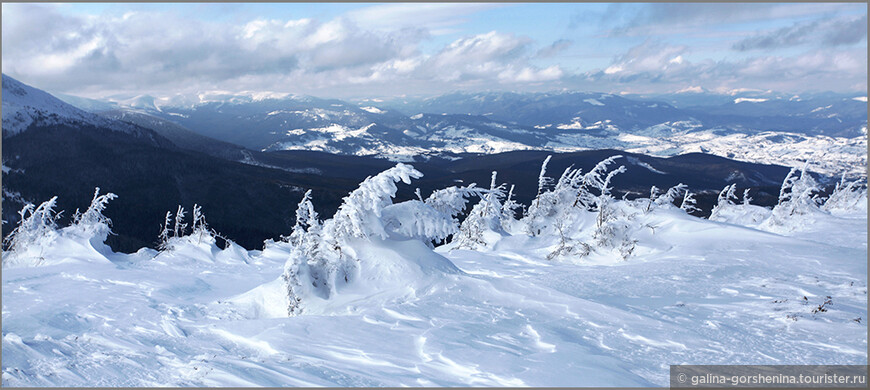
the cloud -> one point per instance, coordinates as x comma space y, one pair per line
649, 57
655, 66
555, 48
161, 52
431, 16
670, 18
822, 32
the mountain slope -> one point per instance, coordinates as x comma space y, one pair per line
25, 106
179, 135
66, 152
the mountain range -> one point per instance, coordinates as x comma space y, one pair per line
223, 156
829, 130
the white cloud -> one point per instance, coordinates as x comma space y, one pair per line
437, 17
654, 66
163, 53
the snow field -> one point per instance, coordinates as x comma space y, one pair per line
495, 312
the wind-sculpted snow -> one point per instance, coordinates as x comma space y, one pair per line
519, 310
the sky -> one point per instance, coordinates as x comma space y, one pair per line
369, 50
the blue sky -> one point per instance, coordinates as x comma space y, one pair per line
381, 50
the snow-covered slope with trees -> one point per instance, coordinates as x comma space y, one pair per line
582, 290
24, 105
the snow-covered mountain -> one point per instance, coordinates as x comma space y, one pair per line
24, 106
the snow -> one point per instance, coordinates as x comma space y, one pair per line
750, 100
373, 110
827, 155
593, 102
23, 105
693, 291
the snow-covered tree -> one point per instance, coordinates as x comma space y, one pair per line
414, 219
596, 179
200, 228
180, 226
306, 218
746, 198
323, 260
452, 200
671, 195
36, 230
173, 231
847, 196
484, 219
165, 232
725, 200
798, 194
312, 261
688, 203
508, 210
359, 214
543, 180
92, 221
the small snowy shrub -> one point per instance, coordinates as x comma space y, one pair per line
688, 203
725, 201
798, 200
174, 234
576, 201
483, 221
798, 194
36, 230
848, 196
92, 222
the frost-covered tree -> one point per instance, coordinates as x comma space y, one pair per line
312, 261
323, 260
746, 198
725, 200
543, 180
414, 219
573, 190
798, 194
359, 214
306, 217
688, 203
671, 195
180, 226
847, 196
484, 218
452, 200
573, 200
597, 180
92, 221
200, 228
509, 210
653, 194
36, 230
165, 232
173, 231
